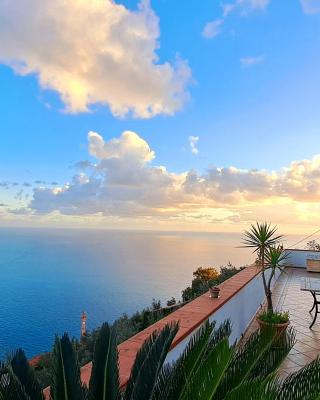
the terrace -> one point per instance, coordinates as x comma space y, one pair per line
287, 296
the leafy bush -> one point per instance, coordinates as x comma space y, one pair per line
274, 317
206, 277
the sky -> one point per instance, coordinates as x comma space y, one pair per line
160, 114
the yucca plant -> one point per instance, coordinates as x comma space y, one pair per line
262, 237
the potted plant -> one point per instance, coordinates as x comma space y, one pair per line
278, 320
214, 292
264, 241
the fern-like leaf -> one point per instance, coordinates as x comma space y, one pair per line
66, 383
10, 386
256, 389
302, 385
206, 379
25, 375
104, 381
148, 364
173, 378
257, 357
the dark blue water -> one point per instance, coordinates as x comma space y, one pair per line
47, 277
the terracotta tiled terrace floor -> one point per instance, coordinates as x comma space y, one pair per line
287, 296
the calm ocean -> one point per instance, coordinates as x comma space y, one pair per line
47, 277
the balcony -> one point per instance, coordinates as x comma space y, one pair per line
287, 296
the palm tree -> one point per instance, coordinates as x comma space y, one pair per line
209, 368
261, 237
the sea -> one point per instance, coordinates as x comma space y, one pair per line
49, 276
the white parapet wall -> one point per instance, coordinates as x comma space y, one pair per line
298, 258
240, 310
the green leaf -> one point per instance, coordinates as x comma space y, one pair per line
206, 379
24, 373
66, 383
148, 364
104, 381
10, 386
261, 236
257, 389
302, 385
273, 357
255, 358
173, 378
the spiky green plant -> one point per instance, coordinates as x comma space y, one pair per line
66, 383
208, 369
104, 381
304, 384
20, 368
276, 258
261, 238
148, 364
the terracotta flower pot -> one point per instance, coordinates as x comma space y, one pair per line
214, 292
279, 328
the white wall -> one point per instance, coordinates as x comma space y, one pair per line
298, 258
240, 309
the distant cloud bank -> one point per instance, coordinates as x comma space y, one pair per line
124, 183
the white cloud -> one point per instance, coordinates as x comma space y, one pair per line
124, 183
129, 146
310, 6
244, 6
93, 52
212, 29
251, 61
193, 141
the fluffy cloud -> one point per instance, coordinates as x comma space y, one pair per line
93, 52
310, 6
129, 146
123, 182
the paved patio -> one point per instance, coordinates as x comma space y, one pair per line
287, 296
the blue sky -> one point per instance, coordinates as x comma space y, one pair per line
254, 94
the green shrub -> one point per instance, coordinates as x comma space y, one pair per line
274, 318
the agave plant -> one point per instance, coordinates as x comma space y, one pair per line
262, 237
208, 369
